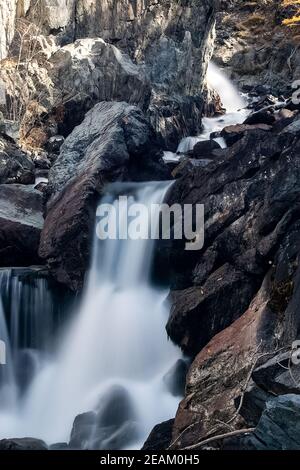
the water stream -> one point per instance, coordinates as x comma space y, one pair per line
114, 353
236, 112
117, 338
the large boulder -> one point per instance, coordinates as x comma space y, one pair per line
250, 196
92, 70
111, 426
15, 165
114, 142
25, 443
279, 428
21, 222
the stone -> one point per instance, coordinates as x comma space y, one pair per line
197, 314
253, 403
54, 143
263, 116
278, 375
175, 378
15, 165
235, 132
25, 443
21, 223
204, 149
278, 428
150, 54
109, 427
160, 437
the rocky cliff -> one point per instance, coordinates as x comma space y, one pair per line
161, 48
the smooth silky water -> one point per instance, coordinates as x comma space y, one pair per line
117, 338
236, 112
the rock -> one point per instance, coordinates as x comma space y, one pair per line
41, 160
221, 370
278, 428
249, 197
253, 403
175, 117
95, 71
25, 443
59, 446
160, 437
115, 141
125, 435
278, 375
263, 116
146, 54
233, 133
175, 378
187, 164
293, 128
82, 430
54, 143
197, 314
7, 15
205, 148
15, 165
21, 222
115, 407
110, 427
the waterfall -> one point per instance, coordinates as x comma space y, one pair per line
116, 343
236, 112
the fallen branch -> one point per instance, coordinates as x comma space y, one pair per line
220, 436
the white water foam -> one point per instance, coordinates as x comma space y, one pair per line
118, 337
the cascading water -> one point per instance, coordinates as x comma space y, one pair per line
117, 341
236, 112
29, 318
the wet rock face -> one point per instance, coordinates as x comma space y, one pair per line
250, 199
15, 166
26, 443
278, 428
253, 232
110, 427
115, 141
21, 222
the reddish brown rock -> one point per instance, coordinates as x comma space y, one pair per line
233, 133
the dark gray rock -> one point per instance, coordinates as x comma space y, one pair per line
175, 378
200, 305
160, 437
15, 165
59, 446
111, 426
25, 443
279, 426
21, 222
54, 143
278, 375
253, 404
205, 148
